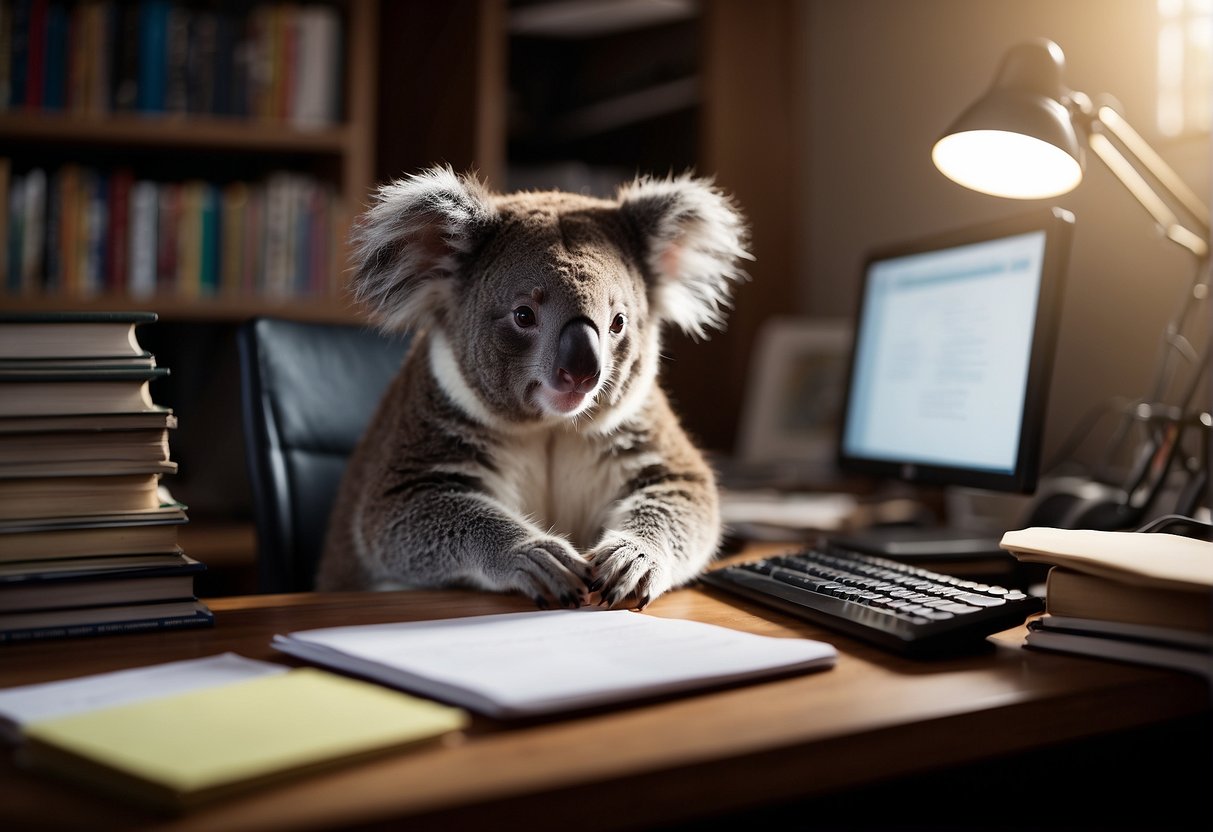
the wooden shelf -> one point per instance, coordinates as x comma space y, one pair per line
171, 308
173, 131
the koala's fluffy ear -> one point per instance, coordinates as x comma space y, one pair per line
694, 238
407, 244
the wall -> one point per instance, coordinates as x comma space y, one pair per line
888, 76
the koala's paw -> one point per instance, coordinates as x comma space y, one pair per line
549, 570
626, 567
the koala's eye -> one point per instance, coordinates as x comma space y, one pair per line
618, 323
524, 316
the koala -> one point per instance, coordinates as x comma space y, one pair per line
526, 445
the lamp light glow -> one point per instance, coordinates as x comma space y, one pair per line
1007, 164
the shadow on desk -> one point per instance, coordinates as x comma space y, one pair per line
1146, 779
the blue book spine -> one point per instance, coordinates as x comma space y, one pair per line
210, 243
57, 28
153, 55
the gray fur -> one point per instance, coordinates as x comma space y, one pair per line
495, 459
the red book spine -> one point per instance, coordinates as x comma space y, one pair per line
168, 224
35, 79
117, 261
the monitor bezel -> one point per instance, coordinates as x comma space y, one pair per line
1057, 224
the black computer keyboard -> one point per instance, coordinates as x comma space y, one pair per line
902, 608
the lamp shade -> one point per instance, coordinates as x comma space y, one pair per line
1018, 140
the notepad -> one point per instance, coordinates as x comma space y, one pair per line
179, 751
542, 662
22, 705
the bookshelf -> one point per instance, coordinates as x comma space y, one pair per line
329, 157
198, 141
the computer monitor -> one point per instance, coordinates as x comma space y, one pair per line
952, 352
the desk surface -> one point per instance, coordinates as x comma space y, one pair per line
873, 716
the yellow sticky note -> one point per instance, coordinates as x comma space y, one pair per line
183, 749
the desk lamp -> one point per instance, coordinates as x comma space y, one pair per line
1025, 139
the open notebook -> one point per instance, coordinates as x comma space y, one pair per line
542, 662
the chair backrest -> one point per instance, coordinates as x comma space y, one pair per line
308, 392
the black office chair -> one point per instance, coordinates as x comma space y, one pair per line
308, 391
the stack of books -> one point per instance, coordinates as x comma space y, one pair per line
88, 534
1144, 597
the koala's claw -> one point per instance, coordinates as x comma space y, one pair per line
551, 571
623, 569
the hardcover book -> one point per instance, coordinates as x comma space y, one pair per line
27, 587
120, 533
78, 452
1156, 559
74, 391
72, 334
30, 498
1075, 639
156, 417
44, 625
1082, 595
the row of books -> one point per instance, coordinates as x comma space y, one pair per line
79, 232
1142, 597
88, 532
277, 61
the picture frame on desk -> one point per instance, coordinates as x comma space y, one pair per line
794, 399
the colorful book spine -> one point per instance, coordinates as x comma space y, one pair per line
153, 55
277, 61
233, 238
168, 219
69, 223
117, 255
52, 282
35, 77
189, 239
19, 53
16, 214
33, 231
56, 53
209, 241
144, 219
80, 232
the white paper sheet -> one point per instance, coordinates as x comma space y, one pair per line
30, 703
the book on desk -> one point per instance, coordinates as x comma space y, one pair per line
1133, 596
83, 451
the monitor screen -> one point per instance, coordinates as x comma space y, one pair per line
952, 354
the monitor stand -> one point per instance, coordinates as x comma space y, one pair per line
911, 543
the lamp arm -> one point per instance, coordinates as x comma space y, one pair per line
1137, 185
1106, 119
1158, 168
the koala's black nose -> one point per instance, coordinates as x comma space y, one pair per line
577, 357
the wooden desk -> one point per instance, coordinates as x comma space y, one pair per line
873, 717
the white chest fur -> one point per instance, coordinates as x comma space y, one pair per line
558, 479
